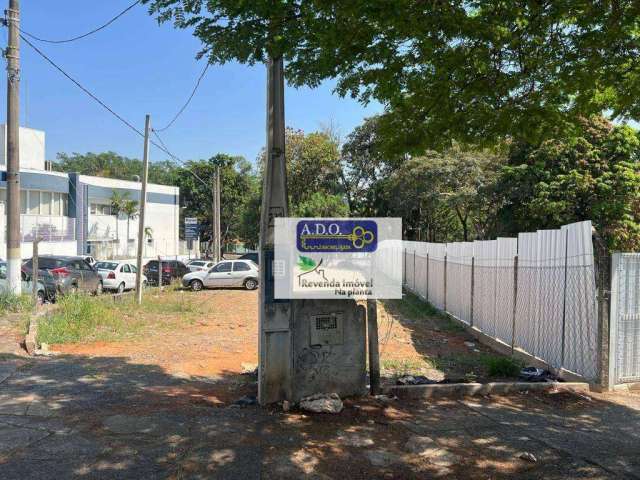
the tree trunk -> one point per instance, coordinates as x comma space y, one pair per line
127, 247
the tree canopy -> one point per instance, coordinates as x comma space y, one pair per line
470, 71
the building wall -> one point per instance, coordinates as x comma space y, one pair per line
32, 148
106, 236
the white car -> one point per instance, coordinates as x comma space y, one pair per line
228, 273
118, 276
200, 265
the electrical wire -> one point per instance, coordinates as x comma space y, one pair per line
84, 35
175, 158
161, 146
184, 107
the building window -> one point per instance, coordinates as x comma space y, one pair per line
34, 203
45, 203
100, 209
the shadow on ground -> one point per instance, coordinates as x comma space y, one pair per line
81, 417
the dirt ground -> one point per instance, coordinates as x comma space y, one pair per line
214, 345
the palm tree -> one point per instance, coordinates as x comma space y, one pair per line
130, 209
117, 202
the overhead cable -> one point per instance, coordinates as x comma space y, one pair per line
84, 35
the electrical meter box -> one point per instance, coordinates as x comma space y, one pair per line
329, 348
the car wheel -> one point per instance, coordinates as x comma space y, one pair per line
99, 289
145, 284
250, 284
41, 298
73, 289
196, 285
121, 288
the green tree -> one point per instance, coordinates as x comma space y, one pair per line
594, 176
313, 173
117, 204
469, 71
130, 210
362, 164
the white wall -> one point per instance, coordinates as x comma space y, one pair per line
32, 148
44, 248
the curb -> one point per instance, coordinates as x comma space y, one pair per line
457, 390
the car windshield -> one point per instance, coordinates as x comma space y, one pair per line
197, 264
106, 265
46, 263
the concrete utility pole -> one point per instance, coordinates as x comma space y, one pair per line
13, 148
143, 206
275, 317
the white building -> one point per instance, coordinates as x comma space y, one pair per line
73, 214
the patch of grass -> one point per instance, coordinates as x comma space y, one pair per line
10, 303
414, 308
404, 367
502, 366
80, 318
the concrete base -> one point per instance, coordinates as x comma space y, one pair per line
458, 390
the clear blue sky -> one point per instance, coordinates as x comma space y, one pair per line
137, 66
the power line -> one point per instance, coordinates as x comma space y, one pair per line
79, 85
184, 107
162, 147
175, 158
84, 35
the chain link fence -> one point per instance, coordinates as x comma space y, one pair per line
537, 293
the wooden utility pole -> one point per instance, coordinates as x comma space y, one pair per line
143, 205
34, 270
218, 215
13, 148
214, 218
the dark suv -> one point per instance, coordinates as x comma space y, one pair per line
171, 269
253, 256
70, 274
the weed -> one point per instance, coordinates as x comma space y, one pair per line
10, 303
80, 318
404, 367
502, 366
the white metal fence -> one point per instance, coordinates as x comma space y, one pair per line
536, 292
624, 347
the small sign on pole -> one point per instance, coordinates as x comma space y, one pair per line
191, 228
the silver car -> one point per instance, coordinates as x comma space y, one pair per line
200, 265
228, 273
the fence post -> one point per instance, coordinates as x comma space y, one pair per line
445, 283
564, 298
404, 267
605, 363
473, 287
413, 286
427, 282
515, 303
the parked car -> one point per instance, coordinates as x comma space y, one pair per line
198, 265
118, 276
228, 273
253, 256
71, 274
171, 269
27, 284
